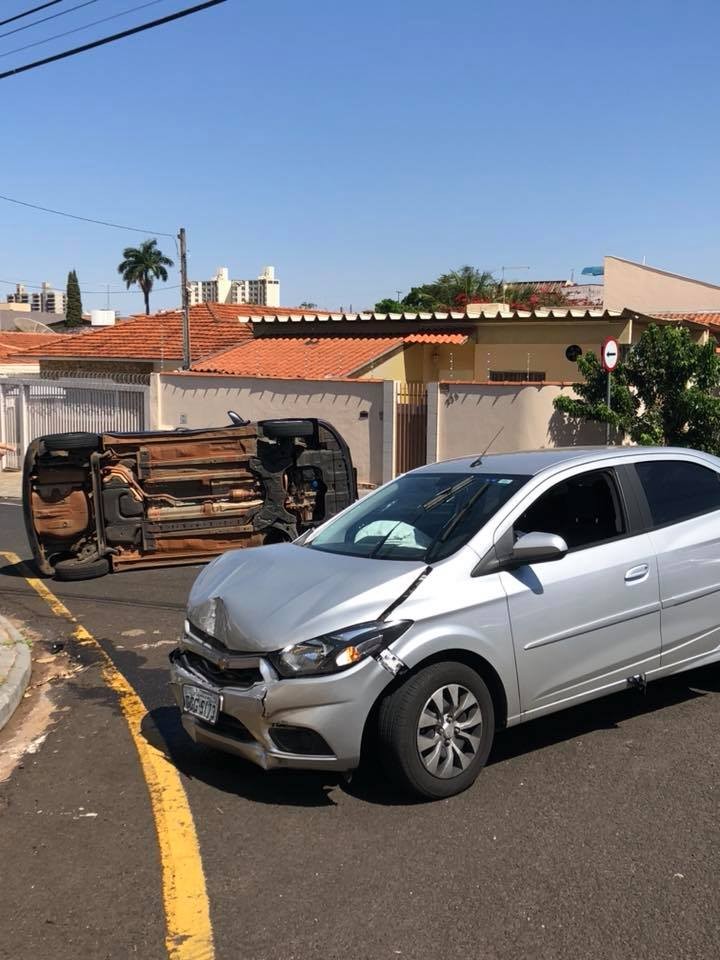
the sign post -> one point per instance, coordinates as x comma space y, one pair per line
609, 356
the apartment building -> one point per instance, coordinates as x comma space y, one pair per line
44, 300
264, 291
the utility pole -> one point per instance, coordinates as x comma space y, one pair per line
185, 299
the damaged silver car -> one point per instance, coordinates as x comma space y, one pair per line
461, 598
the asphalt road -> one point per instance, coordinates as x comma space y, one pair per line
591, 834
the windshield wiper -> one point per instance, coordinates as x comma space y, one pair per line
446, 493
442, 536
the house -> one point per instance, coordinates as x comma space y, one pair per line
14, 345
497, 345
141, 345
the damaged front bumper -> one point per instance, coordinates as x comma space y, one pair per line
312, 723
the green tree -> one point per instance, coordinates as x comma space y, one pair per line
665, 393
144, 265
308, 305
454, 290
73, 301
388, 305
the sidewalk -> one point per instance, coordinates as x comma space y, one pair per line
14, 669
10, 483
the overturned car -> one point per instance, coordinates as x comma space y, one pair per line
96, 503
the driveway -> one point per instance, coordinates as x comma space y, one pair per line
592, 833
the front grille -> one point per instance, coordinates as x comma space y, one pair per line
229, 726
243, 678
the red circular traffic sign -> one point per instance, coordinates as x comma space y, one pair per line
609, 354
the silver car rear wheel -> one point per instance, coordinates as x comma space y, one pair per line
449, 731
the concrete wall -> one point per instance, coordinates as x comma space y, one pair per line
649, 290
196, 400
522, 416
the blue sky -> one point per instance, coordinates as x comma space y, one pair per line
363, 148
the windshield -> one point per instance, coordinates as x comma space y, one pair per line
420, 516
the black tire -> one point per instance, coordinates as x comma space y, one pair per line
279, 429
72, 441
81, 569
398, 720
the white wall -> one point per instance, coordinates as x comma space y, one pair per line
197, 400
522, 416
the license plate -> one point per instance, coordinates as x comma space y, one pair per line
201, 703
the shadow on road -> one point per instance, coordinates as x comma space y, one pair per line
17, 570
230, 774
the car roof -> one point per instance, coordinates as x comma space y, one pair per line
532, 462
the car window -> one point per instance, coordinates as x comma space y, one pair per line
677, 489
420, 516
584, 510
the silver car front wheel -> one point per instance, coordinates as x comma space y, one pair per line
436, 729
449, 731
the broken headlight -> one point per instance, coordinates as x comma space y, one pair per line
336, 651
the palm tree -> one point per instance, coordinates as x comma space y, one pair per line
144, 265
467, 284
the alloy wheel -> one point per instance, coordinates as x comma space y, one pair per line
449, 731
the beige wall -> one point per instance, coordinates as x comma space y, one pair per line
203, 401
471, 414
540, 346
501, 347
649, 290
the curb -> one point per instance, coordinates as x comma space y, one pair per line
15, 684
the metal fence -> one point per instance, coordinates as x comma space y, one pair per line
410, 426
32, 407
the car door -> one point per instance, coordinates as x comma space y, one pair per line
583, 624
683, 499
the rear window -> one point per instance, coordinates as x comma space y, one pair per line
420, 516
677, 490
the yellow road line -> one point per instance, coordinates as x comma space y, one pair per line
187, 910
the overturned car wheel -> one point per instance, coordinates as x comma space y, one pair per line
81, 569
71, 441
278, 429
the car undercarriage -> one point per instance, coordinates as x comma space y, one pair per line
100, 502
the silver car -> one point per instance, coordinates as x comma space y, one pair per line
459, 599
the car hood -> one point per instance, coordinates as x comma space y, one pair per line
266, 597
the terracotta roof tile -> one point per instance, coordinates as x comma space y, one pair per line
457, 338
297, 357
213, 327
13, 343
701, 316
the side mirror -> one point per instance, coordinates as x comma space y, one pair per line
538, 548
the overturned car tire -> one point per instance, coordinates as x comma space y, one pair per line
71, 441
81, 570
278, 429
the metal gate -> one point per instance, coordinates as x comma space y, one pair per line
10, 424
410, 426
30, 408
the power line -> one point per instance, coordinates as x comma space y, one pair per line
19, 16
86, 26
53, 16
74, 216
90, 293
116, 36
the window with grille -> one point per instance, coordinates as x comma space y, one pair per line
517, 376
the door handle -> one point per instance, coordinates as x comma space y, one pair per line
637, 573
